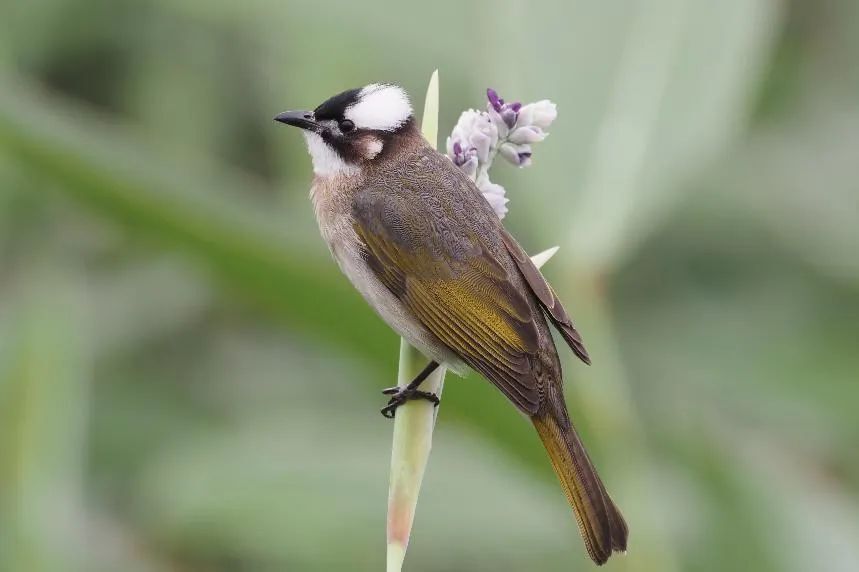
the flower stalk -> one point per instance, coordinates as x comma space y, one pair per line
414, 420
505, 129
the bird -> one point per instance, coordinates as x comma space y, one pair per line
424, 248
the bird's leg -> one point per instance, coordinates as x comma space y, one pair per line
400, 395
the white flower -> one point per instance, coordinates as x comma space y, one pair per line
474, 130
519, 155
508, 129
527, 134
540, 114
470, 166
494, 195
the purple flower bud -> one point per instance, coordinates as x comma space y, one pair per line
500, 126
509, 116
459, 157
525, 159
516, 106
496, 102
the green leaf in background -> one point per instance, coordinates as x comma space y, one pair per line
44, 390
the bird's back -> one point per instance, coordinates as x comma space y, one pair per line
439, 246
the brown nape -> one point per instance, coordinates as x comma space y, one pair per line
407, 136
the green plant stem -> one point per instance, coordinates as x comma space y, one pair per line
415, 420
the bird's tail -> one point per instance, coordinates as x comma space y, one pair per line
600, 522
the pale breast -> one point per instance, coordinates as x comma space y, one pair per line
333, 208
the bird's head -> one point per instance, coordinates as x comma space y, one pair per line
353, 128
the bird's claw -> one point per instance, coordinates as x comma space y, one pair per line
400, 396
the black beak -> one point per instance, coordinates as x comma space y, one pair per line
302, 119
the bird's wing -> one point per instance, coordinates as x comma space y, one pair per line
450, 277
547, 298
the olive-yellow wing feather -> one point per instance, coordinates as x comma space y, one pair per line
451, 280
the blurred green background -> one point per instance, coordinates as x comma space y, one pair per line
188, 384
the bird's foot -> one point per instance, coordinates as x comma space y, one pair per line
400, 395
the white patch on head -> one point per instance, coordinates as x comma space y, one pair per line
326, 161
378, 106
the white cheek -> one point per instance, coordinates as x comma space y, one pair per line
373, 148
326, 161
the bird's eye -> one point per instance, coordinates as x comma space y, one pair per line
346, 126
